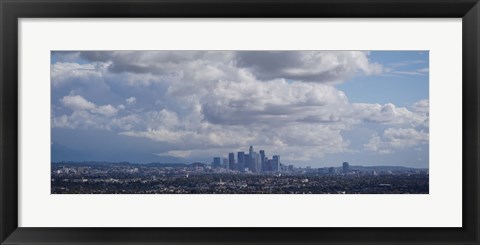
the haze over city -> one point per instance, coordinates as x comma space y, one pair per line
311, 108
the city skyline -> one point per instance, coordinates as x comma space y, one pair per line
256, 162
313, 108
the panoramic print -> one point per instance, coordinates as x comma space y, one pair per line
239, 122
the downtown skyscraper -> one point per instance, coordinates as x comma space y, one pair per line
255, 162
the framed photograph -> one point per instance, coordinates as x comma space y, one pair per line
227, 122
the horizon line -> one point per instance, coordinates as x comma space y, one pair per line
180, 163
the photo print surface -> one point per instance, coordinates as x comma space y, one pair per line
240, 122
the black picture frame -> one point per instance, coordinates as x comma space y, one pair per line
12, 10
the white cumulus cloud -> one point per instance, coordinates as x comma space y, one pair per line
201, 102
395, 139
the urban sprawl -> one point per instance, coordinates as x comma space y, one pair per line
248, 173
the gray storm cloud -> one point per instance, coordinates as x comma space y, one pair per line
311, 66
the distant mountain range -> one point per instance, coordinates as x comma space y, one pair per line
94, 163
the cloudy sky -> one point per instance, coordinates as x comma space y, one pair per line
313, 108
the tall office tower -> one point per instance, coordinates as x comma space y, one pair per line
263, 165
251, 159
247, 161
241, 160
258, 163
269, 164
276, 163
251, 162
225, 163
216, 162
231, 161
345, 167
